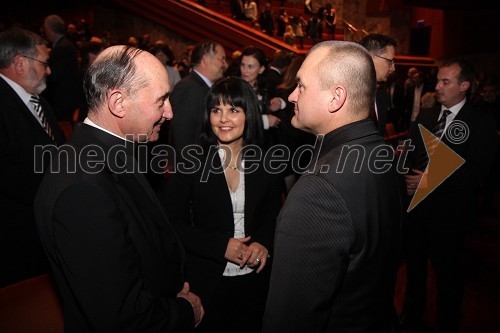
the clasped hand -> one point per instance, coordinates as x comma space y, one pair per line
253, 255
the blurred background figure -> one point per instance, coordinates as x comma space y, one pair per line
164, 53
64, 90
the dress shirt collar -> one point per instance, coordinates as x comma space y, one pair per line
454, 109
275, 69
25, 96
91, 123
204, 78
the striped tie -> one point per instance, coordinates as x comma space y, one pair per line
41, 115
438, 130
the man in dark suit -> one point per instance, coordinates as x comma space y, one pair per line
437, 226
116, 259
336, 243
382, 48
208, 59
23, 69
277, 67
63, 84
413, 97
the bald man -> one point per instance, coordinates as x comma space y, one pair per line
337, 236
116, 260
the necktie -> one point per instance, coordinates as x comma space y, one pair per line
38, 109
437, 131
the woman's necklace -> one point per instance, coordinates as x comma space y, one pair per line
230, 166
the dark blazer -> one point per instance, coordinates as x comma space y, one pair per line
64, 88
336, 243
383, 104
115, 258
273, 80
188, 105
199, 205
457, 195
410, 98
21, 252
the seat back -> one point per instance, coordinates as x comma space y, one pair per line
31, 306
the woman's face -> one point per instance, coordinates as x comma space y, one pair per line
228, 123
250, 69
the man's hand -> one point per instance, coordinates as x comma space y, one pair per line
412, 181
195, 301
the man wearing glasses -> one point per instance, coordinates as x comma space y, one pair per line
26, 120
382, 48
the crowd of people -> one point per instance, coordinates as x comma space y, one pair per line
280, 206
312, 22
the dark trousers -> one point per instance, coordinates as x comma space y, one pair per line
435, 230
237, 305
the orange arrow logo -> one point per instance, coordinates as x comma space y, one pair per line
443, 162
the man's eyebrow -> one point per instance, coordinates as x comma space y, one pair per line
164, 97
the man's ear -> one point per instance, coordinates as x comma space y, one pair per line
19, 64
464, 85
116, 103
337, 98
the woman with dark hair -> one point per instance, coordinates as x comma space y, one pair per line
253, 69
224, 204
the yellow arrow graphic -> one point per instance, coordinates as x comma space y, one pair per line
443, 162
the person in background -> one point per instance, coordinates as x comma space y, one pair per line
184, 66
382, 48
438, 225
266, 19
63, 84
115, 257
23, 125
277, 67
409, 81
300, 24
225, 215
208, 60
337, 235
413, 97
233, 68
250, 11
164, 53
289, 36
89, 52
290, 136
330, 20
253, 69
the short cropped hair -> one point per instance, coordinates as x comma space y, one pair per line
202, 48
349, 64
377, 43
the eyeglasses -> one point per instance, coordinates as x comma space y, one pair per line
391, 61
46, 64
